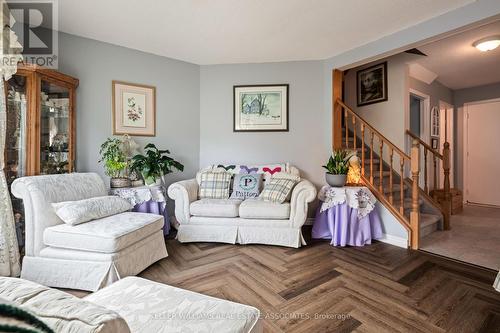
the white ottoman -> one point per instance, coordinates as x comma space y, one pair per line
153, 307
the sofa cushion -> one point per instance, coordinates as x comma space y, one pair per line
80, 211
61, 311
260, 209
108, 235
215, 207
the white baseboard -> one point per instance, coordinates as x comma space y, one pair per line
394, 240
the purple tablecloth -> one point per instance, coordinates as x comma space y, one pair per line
342, 225
154, 207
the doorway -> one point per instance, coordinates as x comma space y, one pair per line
416, 114
481, 161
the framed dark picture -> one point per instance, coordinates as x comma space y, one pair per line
371, 84
434, 143
260, 108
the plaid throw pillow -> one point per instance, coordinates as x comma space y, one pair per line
278, 189
214, 185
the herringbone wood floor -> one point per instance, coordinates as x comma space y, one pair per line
375, 288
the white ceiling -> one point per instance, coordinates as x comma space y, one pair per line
243, 31
460, 65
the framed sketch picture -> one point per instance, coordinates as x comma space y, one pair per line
134, 109
260, 108
371, 84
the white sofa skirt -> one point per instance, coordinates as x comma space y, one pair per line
65, 268
270, 233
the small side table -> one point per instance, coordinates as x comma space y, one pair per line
146, 199
347, 216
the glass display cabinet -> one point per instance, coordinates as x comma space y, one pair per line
41, 124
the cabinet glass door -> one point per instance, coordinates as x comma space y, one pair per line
16, 144
54, 128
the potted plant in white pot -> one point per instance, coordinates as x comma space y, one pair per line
115, 162
337, 168
154, 164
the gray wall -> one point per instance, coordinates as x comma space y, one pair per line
306, 145
462, 96
481, 93
96, 64
387, 117
436, 91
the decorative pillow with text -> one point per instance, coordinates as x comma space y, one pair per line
246, 186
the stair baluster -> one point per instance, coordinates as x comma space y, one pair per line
371, 157
346, 123
363, 149
391, 194
354, 133
381, 170
401, 186
434, 186
426, 188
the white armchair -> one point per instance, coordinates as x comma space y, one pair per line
86, 256
244, 222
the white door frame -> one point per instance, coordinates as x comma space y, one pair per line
424, 115
466, 143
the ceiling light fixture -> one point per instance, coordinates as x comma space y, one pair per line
487, 44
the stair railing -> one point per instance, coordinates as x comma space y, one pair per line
445, 203
392, 151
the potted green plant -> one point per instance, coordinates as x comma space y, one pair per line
115, 162
154, 164
337, 168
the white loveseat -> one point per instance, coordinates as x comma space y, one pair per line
244, 222
86, 256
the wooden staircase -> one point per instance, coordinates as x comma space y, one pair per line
431, 217
394, 176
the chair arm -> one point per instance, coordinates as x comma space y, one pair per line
183, 192
303, 193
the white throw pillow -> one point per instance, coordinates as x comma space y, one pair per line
81, 211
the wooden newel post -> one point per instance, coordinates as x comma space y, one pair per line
415, 210
447, 190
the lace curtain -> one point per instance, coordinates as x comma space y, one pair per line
9, 249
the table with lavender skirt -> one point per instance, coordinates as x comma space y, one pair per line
146, 199
347, 216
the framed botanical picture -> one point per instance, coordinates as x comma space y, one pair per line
260, 108
371, 84
134, 109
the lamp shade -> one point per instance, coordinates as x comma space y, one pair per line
487, 44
